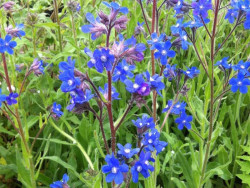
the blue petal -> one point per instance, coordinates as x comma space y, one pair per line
86, 28
110, 177
243, 89
124, 10
90, 18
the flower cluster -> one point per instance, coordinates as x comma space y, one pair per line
74, 84
240, 11
241, 81
148, 142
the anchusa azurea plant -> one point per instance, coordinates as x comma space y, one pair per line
124, 93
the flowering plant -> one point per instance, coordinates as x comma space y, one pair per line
121, 96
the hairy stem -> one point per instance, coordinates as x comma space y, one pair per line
58, 23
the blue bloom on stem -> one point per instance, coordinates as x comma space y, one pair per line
122, 71
163, 52
37, 67
223, 63
127, 150
114, 169
242, 67
155, 82
61, 184
192, 72
184, 120
70, 65
11, 99
78, 7
96, 28
231, 15
155, 40
142, 166
15, 32
197, 22
56, 109
138, 86
69, 81
201, 7
240, 83
177, 108
78, 96
176, 29
2, 97
145, 121
103, 59
113, 92
116, 7
184, 40
7, 45
170, 72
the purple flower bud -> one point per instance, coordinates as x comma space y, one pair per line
37, 67
121, 23
8, 5
15, 32
103, 18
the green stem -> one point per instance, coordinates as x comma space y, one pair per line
75, 142
75, 37
58, 23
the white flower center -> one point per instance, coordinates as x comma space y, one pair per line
164, 52
185, 37
70, 82
127, 150
242, 66
151, 79
188, 72
144, 89
184, 121
150, 134
155, 40
139, 168
201, 7
193, 22
93, 61
140, 124
135, 86
178, 106
114, 170
118, 72
126, 68
103, 58
58, 109
177, 25
239, 83
150, 141
146, 162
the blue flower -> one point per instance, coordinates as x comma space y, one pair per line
177, 108
11, 99
155, 40
78, 7
116, 7
127, 150
114, 169
70, 65
2, 97
61, 184
184, 120
176, 29
196, 22
240, 83
163, 52
247, 21
139, 28
160, 146
242, 67
102, 59
69, 81
7, 45
137, 86
142, 166
155, 82
145, 121
192, 72
184, 41
179, 7
223, 63
56, 109
96, 28
169, 72
231, 15
113, 92
78, 96
122, 71
15, 32
201, 7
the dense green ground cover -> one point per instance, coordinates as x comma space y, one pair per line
63, 145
